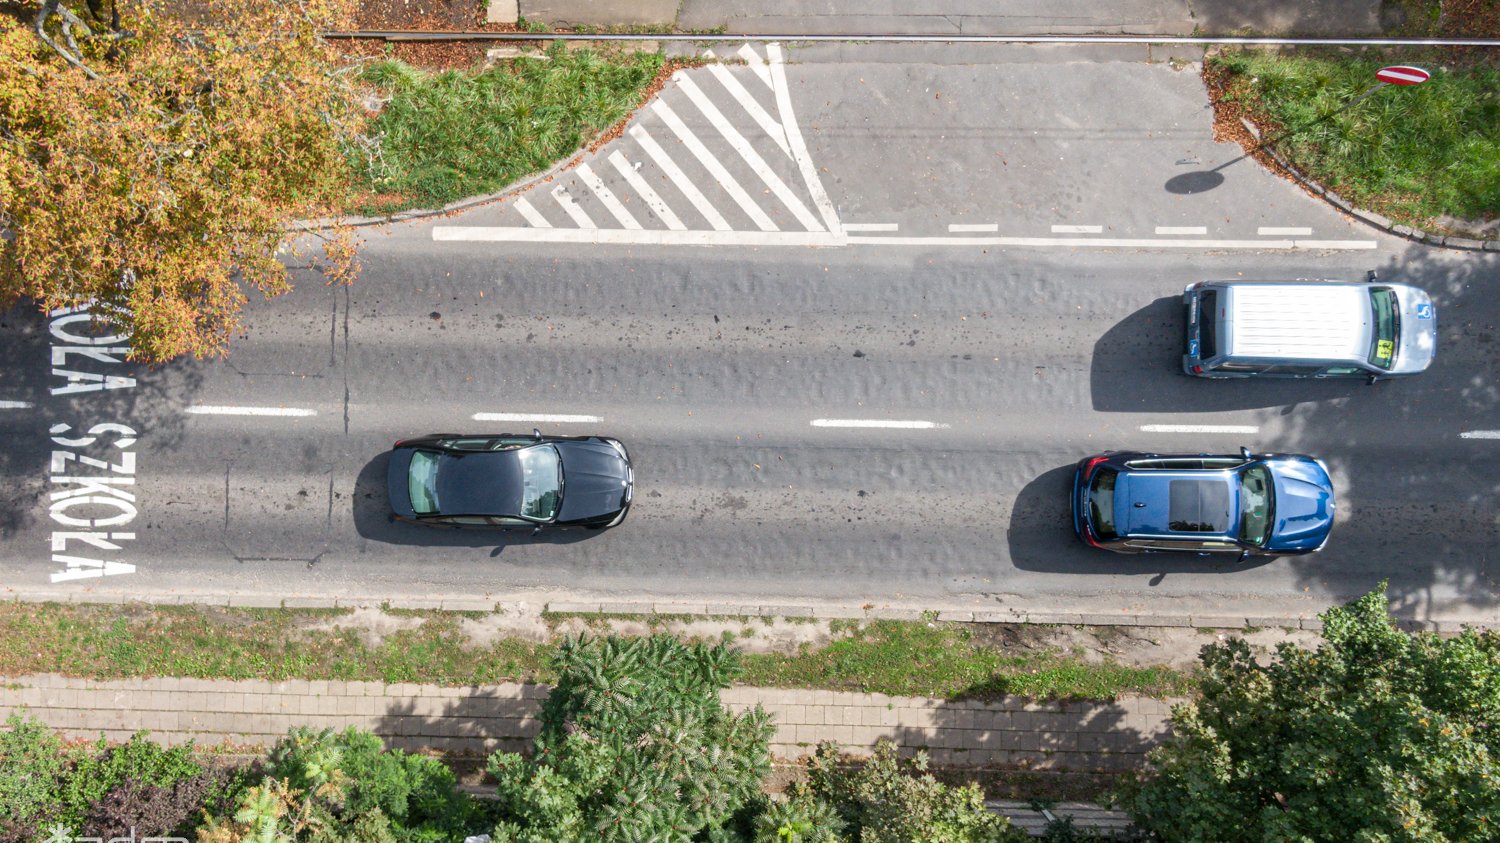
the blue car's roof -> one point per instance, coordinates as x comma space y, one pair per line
1194, 504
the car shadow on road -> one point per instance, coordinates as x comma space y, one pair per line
1137, 368
1041, 538
373, 521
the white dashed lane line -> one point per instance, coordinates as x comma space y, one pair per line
15, 405
1480, 434
1273, 231
221, 410
537, 417
891, 423
1199, 428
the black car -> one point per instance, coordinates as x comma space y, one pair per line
506, 480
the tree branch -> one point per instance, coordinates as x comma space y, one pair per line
54, 7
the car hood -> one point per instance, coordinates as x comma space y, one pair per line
1418, 330
1304, 505
596, 480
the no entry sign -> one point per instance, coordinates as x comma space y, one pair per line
1402, 74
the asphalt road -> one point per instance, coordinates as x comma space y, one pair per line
712, 365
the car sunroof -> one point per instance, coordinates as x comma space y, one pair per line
1198, 506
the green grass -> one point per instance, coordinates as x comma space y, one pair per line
1411, 153
444, 136
943, 660
892, 657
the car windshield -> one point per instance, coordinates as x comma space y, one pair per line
541, 482
1102, 503
1256, 500
1387, 327
421, 482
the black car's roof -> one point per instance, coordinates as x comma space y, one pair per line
479, 482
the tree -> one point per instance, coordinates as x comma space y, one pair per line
635, 744
149, 164
1376, 735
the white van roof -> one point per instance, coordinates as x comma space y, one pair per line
1310, 320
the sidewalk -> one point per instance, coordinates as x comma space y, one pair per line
1011, 734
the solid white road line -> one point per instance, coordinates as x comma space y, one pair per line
748, 153
1282, 232
536, 417
649, 237
751, 106
1181, 229
533, 218
1103, 242
15, 405
1077, 229
220, 410
956, 227
904, 425
607, 196
580, 218
756, 64
799, 146
679, 178
639, 185
1199, 428
1480, 434
707, 159
870, 226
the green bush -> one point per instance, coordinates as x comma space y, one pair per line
635, 745
890, 801
416, 796
33, 768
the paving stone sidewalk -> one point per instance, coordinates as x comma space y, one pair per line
1012, 733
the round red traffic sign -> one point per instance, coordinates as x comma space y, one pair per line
1402, 74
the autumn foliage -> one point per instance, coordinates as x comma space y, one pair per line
149, 164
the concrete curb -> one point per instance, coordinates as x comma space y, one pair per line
1370, 217
964, 614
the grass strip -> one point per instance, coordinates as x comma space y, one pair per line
1411, 153
444, 136
893, 657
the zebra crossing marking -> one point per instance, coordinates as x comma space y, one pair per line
533, 218
751, 157
607, 196
560, 193
767, 123
756, 63
707, 159
679, 178
639, 185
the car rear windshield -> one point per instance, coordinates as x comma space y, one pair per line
1387, 323
421, 482
1208, 325
1102, 503
1255, 505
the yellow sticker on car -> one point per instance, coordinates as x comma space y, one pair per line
1385, 349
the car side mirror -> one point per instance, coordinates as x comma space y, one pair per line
1245, 452
1370, 277
537, 530
1244, 556
1370, 381
536, 432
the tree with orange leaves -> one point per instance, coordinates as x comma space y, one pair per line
149, 164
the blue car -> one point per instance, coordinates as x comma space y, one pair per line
1266, 505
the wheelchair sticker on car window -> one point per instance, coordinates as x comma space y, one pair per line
1192, 348
1385, 348
1424, 310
